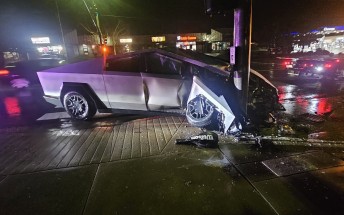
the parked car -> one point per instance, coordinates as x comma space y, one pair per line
171, 81
22, 74
53, 56
328, 68
285, 63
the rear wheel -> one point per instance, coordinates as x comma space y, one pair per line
79, 105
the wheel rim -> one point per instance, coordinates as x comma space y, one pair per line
200, 108
77, 105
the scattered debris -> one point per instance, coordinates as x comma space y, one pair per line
286, 130
247, 137
312, 117
204, 140
303, 127
318, 135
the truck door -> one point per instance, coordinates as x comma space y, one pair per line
162, 81
123, 83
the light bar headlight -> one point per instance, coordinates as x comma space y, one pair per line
319, 68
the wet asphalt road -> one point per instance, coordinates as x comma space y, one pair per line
53, 165
314, 107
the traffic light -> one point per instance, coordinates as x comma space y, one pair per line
104, 48
105, 40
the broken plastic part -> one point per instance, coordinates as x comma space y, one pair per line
204, 140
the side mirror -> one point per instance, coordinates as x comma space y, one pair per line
220, 7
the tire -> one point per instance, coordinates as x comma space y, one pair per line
200, 112
79, 105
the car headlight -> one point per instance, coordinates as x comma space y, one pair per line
319, 68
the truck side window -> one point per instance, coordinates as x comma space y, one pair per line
157, 63
124, 64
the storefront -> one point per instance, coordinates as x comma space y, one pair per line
186, 42
159, 41
10, 56
125, 44
328, 38
44, 46
200, 42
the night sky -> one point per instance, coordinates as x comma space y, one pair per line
21, 19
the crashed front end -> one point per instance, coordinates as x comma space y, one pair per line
214, 103
213, 110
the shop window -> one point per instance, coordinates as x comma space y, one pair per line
157, 63
127, 64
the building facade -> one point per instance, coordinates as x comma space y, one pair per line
330, 39
200, 42
73, 44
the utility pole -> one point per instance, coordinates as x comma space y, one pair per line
61, 29
240, 52
95, 22
242, 43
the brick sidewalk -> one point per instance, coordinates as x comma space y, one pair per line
25, 151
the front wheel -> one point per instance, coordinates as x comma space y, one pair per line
79, 106
200, 112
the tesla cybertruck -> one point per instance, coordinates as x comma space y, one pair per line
158, 80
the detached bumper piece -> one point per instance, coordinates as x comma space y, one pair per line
203, 140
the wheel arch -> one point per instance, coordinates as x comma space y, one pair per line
84, 88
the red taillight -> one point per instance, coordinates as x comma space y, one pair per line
337, 60
4, 72
327, 65
287, 63
305, 65
311, 65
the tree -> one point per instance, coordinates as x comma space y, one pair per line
115, 30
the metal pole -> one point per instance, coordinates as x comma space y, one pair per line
95, 22
242, 41
98, 27
62, 34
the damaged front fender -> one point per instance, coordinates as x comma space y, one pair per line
203, 105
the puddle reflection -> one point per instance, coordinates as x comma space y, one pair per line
299, 104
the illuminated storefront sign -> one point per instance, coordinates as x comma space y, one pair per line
40, 40
126, 40
186, 45
158, 39
329, 29
186, 38
47, 49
